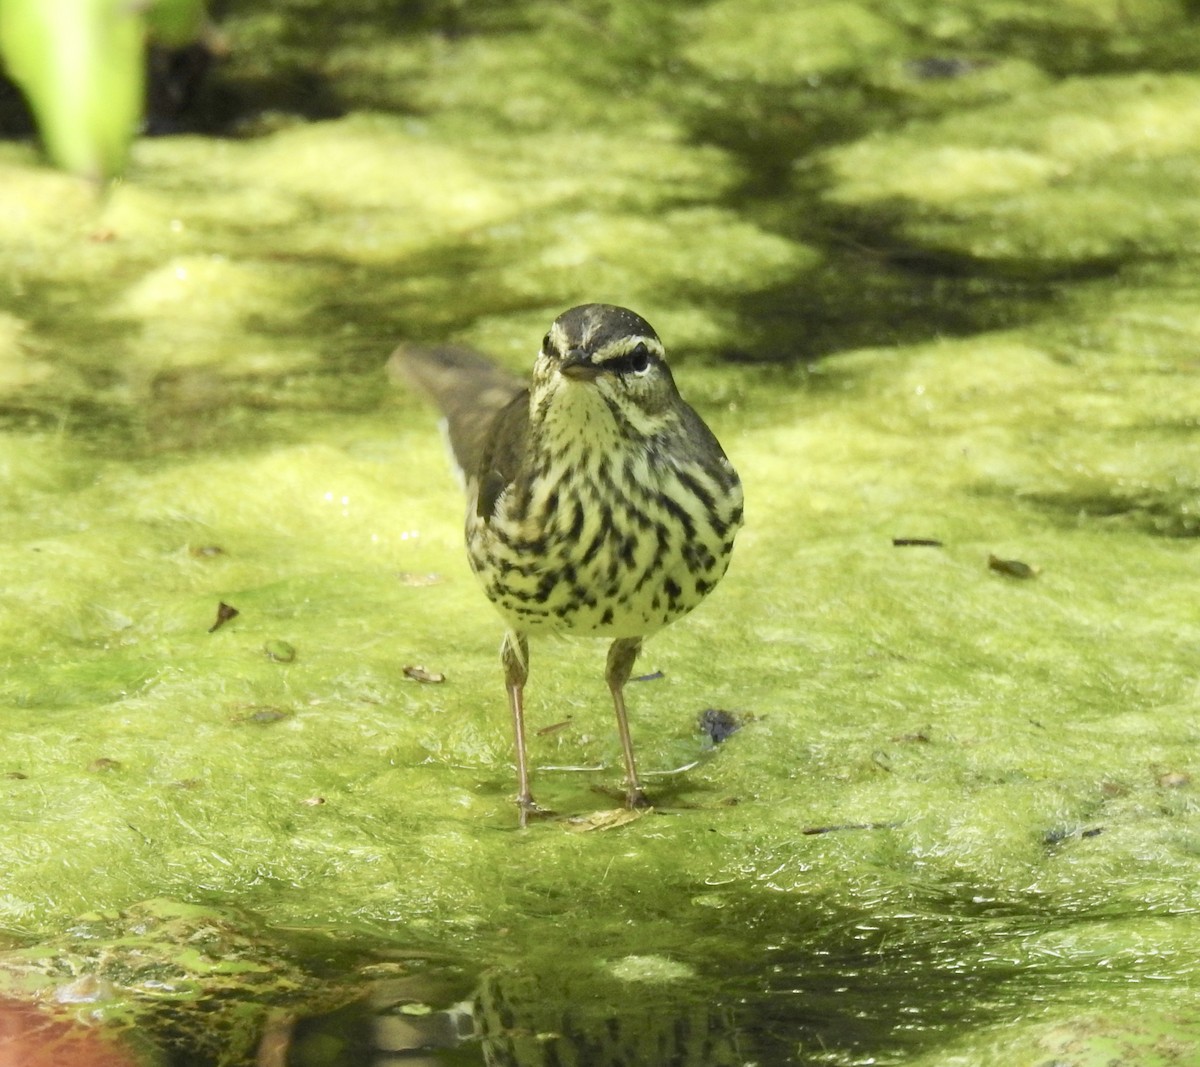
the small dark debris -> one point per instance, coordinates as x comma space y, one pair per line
264, 716
919, 738
718, 724
916, 542
103, 765
943, 68
313, 802
205, 551
653, 676
1057, 837
1014, 568
17, 776
553, 728
811, 830
420, 674
225, 612
279, 651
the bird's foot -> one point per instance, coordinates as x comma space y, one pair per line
528, 808
635, 798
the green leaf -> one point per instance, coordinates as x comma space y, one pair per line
80, 64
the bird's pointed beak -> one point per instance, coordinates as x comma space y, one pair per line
578, 366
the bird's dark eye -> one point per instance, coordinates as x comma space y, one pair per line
546, 343
635, 361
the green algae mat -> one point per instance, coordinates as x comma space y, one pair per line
930, 272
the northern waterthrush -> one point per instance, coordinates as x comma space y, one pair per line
599, 503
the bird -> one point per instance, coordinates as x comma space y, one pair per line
599, 503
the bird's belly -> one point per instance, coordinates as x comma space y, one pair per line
622, 572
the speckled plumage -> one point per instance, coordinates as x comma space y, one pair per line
599, 502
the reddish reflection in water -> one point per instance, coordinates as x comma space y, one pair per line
30, 1037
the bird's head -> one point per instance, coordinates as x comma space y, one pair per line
599, 356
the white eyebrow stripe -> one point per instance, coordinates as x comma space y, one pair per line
624, 345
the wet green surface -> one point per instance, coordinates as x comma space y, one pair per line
931, 275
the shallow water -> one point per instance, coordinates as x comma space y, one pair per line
928, 270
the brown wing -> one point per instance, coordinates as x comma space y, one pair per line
470, 392
504, 450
